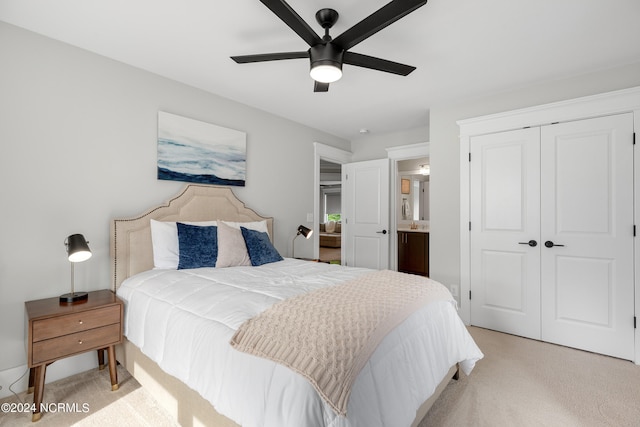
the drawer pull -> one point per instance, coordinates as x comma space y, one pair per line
80, 342
80, 322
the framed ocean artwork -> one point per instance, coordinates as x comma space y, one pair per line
194, 151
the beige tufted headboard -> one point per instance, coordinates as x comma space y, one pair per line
131, 248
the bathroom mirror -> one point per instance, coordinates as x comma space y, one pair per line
413, 197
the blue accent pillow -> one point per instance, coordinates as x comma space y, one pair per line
260, 249
198, 246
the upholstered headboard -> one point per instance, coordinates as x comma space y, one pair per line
131, 248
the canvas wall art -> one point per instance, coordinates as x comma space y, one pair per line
194, 151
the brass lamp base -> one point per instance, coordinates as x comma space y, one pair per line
74, 297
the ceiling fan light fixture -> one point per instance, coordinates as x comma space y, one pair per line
326, 73
326, 63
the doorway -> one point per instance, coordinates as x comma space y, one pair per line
329, 216
407, 160
342, 157
332, 158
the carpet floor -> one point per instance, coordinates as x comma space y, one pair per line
520, 382
90, 402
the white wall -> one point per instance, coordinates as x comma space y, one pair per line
444, 264
373, 146
78, 148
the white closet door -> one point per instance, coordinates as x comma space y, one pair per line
587, 207
505, 217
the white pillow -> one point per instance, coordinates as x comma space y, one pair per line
164, 238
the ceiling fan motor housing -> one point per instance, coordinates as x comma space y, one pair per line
326, 54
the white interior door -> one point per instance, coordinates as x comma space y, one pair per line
505, 218
365, 201
587, 218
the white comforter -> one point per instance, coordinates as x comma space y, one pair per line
183, 320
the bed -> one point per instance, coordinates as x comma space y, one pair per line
231, 388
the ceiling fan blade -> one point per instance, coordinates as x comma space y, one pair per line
293, 20
373, 63
320, 87
375, 22
261, 57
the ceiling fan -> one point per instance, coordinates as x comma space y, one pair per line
327, 54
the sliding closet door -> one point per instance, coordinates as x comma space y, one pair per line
587, 235
505, 229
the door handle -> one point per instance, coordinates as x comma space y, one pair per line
550, 244
382, 232
531, 243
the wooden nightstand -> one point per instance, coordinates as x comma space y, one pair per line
58, 330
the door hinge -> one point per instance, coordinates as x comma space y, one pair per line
469, 294
469, 225
469, 156
634, 138
634, 322
634, 230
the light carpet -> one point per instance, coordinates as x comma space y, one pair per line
520, 382
91, 402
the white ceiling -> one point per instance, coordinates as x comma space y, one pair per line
461, 48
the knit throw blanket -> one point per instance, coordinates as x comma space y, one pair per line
329, 334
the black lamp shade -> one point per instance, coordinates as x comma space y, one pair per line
306, 232
78, 248
77, 251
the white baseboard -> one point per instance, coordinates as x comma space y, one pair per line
58, 370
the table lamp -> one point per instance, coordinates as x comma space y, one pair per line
306, 232
78, 251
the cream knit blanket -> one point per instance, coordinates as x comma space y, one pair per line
329, 334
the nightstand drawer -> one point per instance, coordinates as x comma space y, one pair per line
79, 342
76, 322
